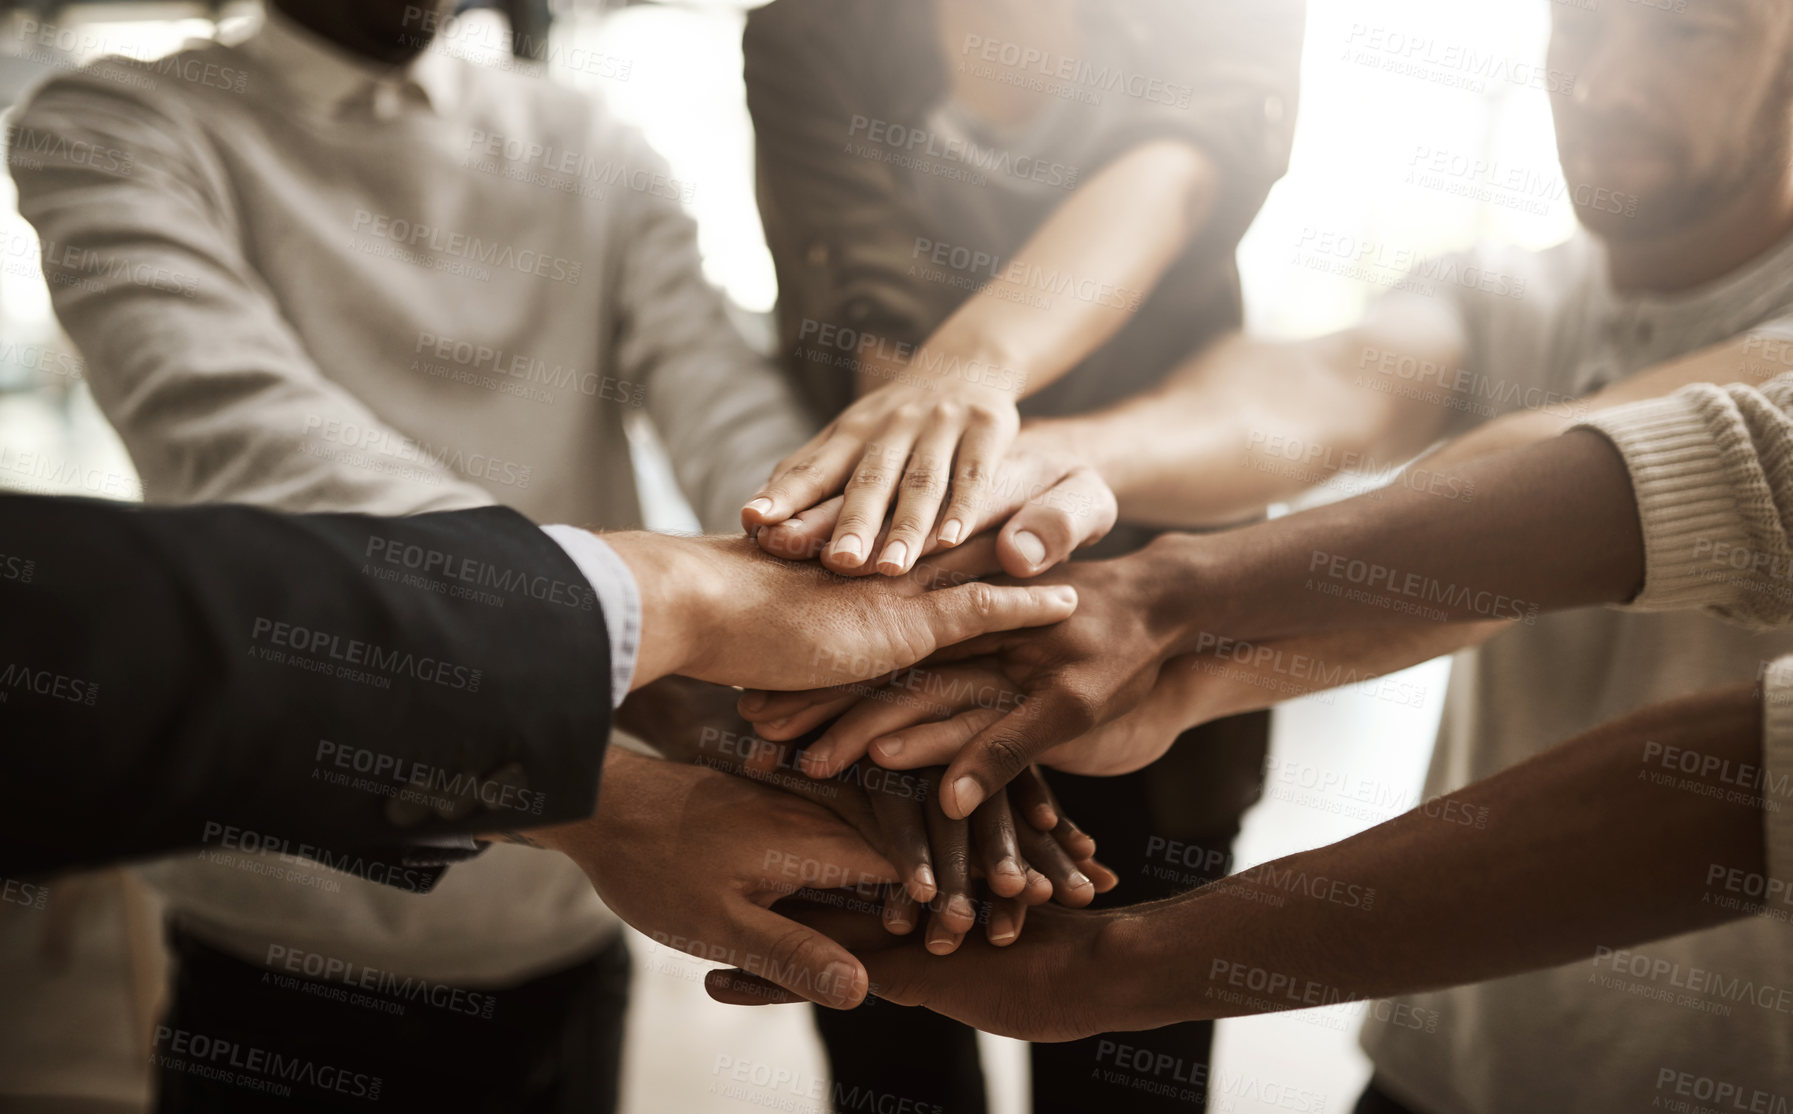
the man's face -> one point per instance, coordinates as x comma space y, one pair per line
389, 31
1678, 107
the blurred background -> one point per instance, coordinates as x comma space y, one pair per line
1416, 116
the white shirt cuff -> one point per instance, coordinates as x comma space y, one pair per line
618, 595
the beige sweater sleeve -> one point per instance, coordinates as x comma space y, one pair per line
1712, 468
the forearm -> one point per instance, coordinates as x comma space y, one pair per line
1112, 239
1243, 424
1503, 537
1577, 849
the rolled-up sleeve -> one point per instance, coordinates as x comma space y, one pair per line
1777, 770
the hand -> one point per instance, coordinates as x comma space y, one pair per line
1047, 502
1076, 974
1072, 678
926, 440
924, 715
695, 859
1023, 864
718, 609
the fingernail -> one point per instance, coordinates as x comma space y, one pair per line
1065, 594
1077, 880
969, 794
1002, 929
759, 506
1031, 548
838, 980
890, 746
817, 757
897, 922
950, 531
774, 724
940, 944
924, 876
896, 555
787, 524
960, 906
1008, 866
850, 548
754, 701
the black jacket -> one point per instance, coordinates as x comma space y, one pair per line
333, 686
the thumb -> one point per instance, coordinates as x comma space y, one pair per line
798, 959
971, 610
1079, 511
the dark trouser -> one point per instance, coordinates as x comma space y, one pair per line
1165, 830
241, 1039
1375, 1100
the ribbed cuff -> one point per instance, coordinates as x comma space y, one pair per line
1685, 501
1777, 769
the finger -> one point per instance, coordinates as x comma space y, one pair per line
1069, 884
919, 695
808, 719
798, 958
1034, 800
1007, 915
802, 536
868, 493
812, 475
931, 744
986, 440
968, 561
1079, 510
918, 499
1039, 887
1007, 747
997, 851
900, 911
894, 708
898, 805
760, 707
735, 987
1077, 843
970, 610
1099, 874
950, 843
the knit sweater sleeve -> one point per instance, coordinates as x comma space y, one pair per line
1712, 469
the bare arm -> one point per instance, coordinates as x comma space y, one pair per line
1250, 422
1576, 850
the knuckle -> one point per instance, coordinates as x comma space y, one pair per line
952, 411
1007, 756
981, 599
868, 478
909, 413
923, 480
974, 476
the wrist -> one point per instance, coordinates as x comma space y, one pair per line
1155, 949
673, 611
1186, 592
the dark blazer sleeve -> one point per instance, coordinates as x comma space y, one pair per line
334, 686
